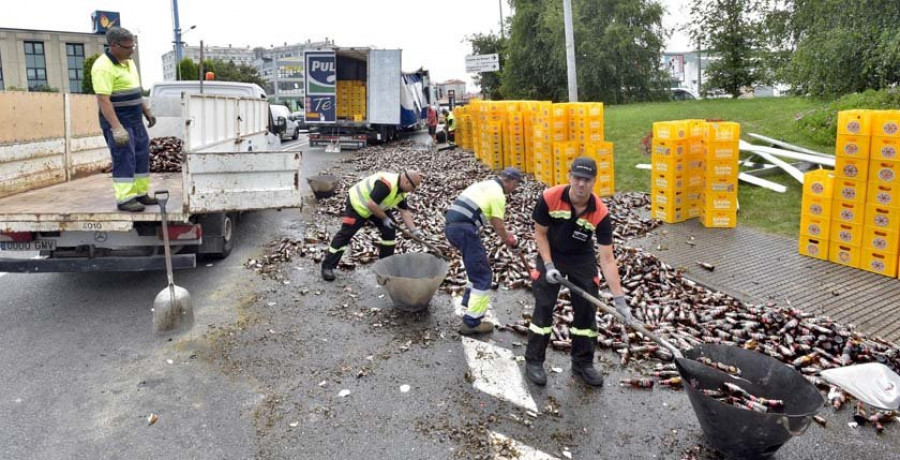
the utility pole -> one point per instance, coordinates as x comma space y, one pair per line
179, 50
502, 35
570, 52
201, 67
699, 65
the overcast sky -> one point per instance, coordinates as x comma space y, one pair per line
430, 32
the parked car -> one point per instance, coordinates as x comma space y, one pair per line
282, 114
683, 94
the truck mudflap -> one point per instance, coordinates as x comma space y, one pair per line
99, 264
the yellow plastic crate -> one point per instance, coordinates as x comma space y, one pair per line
878, 239
693, 210
723, 131
884, 194
855, 122
886, 123
721, 169
605, 187
884, 172
850, 190
882, 263
720, 184
848, 212
718, 219
669, 148
884, 148
815, 226
816, 206
668, 164
669, 214
723, 151
882, 217
851, 168
668, 181
852, 146
847, 234
844, 254
721, 201
814, 247
695, 167
668, 198
818, 183
670, 130
696, 148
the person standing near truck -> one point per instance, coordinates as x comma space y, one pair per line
120, 98
431, 119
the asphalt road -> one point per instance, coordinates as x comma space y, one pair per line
262, 374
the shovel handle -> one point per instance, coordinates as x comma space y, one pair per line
162, 196
634, 324
433, 249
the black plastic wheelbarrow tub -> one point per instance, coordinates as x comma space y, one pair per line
323, 185
411, 279
740, 433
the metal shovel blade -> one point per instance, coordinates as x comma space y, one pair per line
872, 383
173, 310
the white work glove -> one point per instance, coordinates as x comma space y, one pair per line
511, 241
418, 233
388, 223
552, 274
623, 309
120, 136
151, 120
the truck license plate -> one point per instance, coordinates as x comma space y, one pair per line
35, 245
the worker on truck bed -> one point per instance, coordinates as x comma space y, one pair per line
120, 98
480, 204
369, 201
566, 218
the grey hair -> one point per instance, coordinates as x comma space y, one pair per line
116, 35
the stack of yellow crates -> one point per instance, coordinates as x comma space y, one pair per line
694, 172
351, 99
492, 144
602, 153
463, 127
514, 137
563, 155
542, 141
720, 191
815, 214
864, 201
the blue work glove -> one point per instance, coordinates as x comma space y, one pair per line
552, 274
623, 309
388, 223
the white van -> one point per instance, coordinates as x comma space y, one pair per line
282, 114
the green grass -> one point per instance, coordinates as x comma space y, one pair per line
764, 209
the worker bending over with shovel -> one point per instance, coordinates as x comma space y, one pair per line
479, 204
566, 218
369, 201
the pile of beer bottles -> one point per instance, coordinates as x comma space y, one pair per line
351, 100
851, 216
695, 171
540, 138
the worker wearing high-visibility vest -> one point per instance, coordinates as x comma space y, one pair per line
480, 204
567, 218
117, 84
370, 200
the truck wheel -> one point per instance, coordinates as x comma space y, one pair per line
219, 230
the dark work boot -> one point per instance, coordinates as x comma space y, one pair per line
131, 205
588, 374
327, 274
534, 372
147, 200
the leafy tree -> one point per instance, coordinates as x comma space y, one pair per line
489, 82
618, 47
730, 31
87, 85
837, 47
229, 71
187, 69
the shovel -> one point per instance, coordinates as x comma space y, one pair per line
173, 309
430, 247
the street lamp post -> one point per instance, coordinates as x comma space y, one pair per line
570, 52
179, 46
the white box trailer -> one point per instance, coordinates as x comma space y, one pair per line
56, 199
394, 100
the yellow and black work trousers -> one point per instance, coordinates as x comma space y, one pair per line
581, 271
130, 162
351, 224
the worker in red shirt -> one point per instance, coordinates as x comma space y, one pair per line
566, 219
431, 119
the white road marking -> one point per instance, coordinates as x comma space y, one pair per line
497, 373
525, 451
296, 146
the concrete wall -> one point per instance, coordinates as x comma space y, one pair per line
12, 55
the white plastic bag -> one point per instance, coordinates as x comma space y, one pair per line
872, 383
